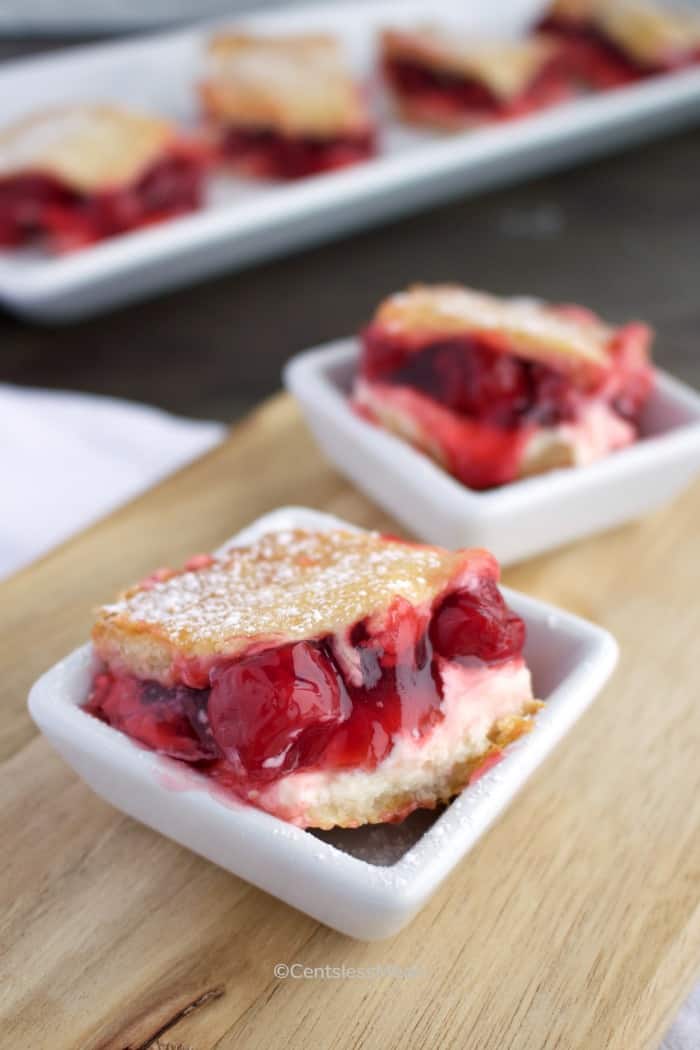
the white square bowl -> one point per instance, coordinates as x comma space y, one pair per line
514, 521
345, 879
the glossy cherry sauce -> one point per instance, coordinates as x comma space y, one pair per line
294, 707
472, 378
481, 403
269, 154
39, 208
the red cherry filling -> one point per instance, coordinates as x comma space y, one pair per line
401, 692
276, 711
480, 403
450, 95
172, 720
24, 200
393, 641
477, 623
269, 154
292, 707
473, 379
36, 207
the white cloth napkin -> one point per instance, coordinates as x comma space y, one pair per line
684, 1033
67, 459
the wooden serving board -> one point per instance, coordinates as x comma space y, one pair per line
574, 924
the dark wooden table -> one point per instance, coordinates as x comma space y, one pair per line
621, 235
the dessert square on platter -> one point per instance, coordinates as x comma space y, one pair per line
439, 77
74, 175
609, 43
285, 106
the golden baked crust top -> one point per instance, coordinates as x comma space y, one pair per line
506, 67
288, 586
573, 342
297, 85
647, 32
88, 148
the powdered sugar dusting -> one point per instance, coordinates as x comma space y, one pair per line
291, 583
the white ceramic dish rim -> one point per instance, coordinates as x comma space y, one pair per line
567, 123
306, 377
410, 879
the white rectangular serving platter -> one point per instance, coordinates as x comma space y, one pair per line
514, 521
244, 221
367, 882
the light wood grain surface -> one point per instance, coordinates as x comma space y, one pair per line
574, 924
